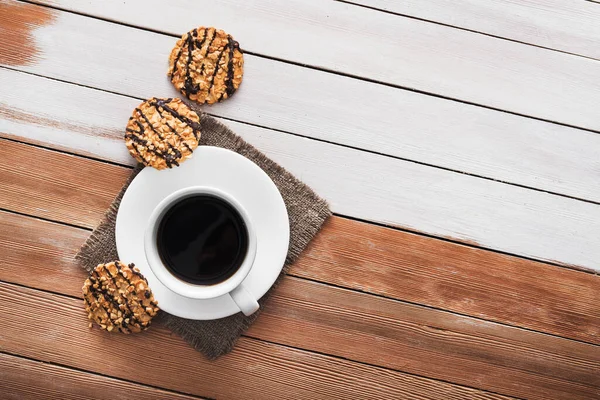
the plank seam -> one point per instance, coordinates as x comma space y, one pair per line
473, 246
439, 309
103, 375
412, 161
464, 29
10, 138
322, 69
380, 367
401, 229
7, 67
309, 138
325, 283
44, 219
278, 344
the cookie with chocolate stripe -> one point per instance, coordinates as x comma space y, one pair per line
206, 65
162, 133
118, 299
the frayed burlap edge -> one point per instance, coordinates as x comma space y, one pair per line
306, 210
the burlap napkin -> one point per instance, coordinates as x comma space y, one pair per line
307, 213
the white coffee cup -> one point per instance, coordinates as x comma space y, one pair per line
233, 285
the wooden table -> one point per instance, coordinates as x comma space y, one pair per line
457, 143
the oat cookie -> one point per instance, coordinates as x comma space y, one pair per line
117, 297
162, 133
206, 65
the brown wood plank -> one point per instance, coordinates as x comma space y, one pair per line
362, 327
55, 185
347, 253
40, 254
24, 379
57, 332
16, 23
455, 277
431, 343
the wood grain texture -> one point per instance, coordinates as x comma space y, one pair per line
41, 254
437, 344
453, 277
24, 379
17, 20
368, 43
254, 370
387, 333
563, 25
421, 128
356, 184
368, 258
370, 187
58, 186
353, 326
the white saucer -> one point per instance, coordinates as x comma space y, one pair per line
232, 173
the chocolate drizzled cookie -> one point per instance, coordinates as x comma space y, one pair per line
117, 298
162, 133
206, 65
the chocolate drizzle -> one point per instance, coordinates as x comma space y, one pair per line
113, 298
118, 298
169, 160
123, 274
229, 88
212, 78
175, 62
137, 138
173, 130
87, 303
137, 141
176, 152
162, 103
189, 86
207, 50
191, 44
129, 313
158, 135
170, 156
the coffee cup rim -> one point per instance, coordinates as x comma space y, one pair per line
174, 283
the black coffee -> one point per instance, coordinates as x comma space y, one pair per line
202, 239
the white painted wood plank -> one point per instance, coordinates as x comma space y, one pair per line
338, 109
356, 183
64, 116
564, 25
388, 48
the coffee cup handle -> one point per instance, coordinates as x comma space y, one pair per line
244, 300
